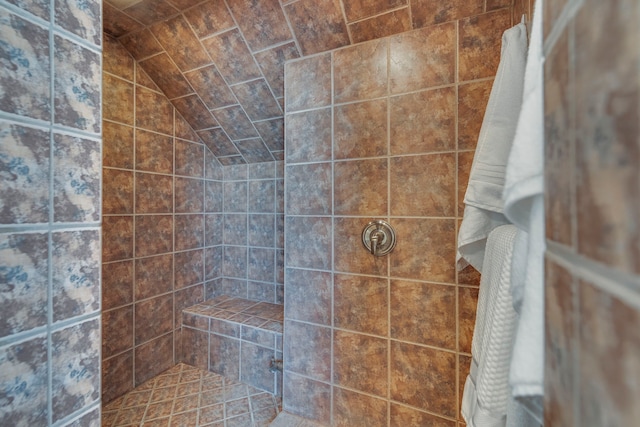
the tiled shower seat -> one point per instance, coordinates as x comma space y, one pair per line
235, 337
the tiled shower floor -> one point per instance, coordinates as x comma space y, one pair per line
185, 396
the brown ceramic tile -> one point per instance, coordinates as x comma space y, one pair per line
189, 232
228, 361
360, 129
558, 149
262, 23
117, 238
308, 296
309, 190
166, 75
189, 195
154, 234
117, 23
154, 193
185, 298
218, 142
380, 26
423, 185
358, 186
360, 9
117, 98
117, 188
318, 27
308, 350
143, 79
351, 408
402, 416
154, 276
429, 12
560, 346
210, 86
232, 57
235, 123
271, 62
423, 313
117, 284
209, 18
188, 268
176, 36
606, 176
117, 145
141, 44
468, 275
365, 369
308, 136
422, 58
117, 376
195, 112
467, 305
153, 111
360, 304
183, 129
256, 99
360, 72
479, 43
425, 249
465, 160
117, 331
464, 367
413, 131
351, 255
472, 101
153, 317
314, 404
424, 378
153, 357
272, 133
150, 11
116, 59
154, 153
254, 151
309, 83
523, 7
189, 159
195, 348
607, 387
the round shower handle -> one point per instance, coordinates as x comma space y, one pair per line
379, 237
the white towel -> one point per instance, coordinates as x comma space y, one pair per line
487, 395
483, 199
523, 205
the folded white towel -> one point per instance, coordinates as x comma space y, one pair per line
523, 205
487, 395
483, 199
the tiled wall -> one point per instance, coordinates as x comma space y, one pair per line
385, 129
592, 102
252, 232
162, 210
50, 149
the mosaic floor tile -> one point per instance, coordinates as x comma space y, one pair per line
185, 396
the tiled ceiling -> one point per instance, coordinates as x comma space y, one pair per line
221, 62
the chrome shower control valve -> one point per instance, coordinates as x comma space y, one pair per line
379, 237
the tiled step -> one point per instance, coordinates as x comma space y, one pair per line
235, 337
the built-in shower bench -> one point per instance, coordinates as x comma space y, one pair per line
237, 338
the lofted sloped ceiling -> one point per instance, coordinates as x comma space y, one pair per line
221, 62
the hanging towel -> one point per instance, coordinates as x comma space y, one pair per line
487, 396
523, 205
483, 200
